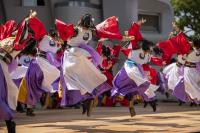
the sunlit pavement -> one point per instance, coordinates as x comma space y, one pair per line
169, 118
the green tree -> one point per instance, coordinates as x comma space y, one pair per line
187, 15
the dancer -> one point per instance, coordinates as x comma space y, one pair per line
42, 71
80, 63
109, 56
174, 72
9, 48
191, 76
8, 90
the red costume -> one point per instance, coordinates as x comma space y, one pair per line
109, 29
65, 31
22, 38
175, 45
7, 29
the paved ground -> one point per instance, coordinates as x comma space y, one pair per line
168, 118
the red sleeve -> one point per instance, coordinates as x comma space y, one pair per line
65, 31
126, 51
116, 50
9, 25
157, 61
135, 31
2, 31
99, 47
38, 27
181, 43
109, 29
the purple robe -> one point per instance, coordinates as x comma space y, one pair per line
5, 111
162, 81
123, 85
179, 91
34, 77
17, 82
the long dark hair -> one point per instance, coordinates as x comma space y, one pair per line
196, 44
30, 48
145, 45
87, 22
106, 51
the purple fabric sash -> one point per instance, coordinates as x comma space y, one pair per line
198, 67
5, 111
12, 66
96, 58
141, 70
181, 70
52, 59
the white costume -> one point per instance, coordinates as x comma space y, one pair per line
135, 74
79, 72
173, 72
50, 72
192, 76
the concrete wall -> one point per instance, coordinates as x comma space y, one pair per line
166, 14
125, 10
2, 12
73, 14
14, 10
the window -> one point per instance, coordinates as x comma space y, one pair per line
33, 3
152, 24
40, 3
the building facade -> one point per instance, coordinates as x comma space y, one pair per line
159, 13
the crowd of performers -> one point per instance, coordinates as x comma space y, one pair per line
61, 68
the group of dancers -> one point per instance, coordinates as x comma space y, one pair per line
34, 62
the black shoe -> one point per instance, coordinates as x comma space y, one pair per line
132, 111
145, 104
10, 126
135, 103
167, 95
29, 112
153, 105
131, 107
84, 108
20, 108
180, 103
89, 105
77, 106
193, 104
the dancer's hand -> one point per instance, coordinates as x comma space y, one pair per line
142, 21
128, 38
31, 15
102, 39
164, 63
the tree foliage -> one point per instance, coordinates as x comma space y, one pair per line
187, 14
